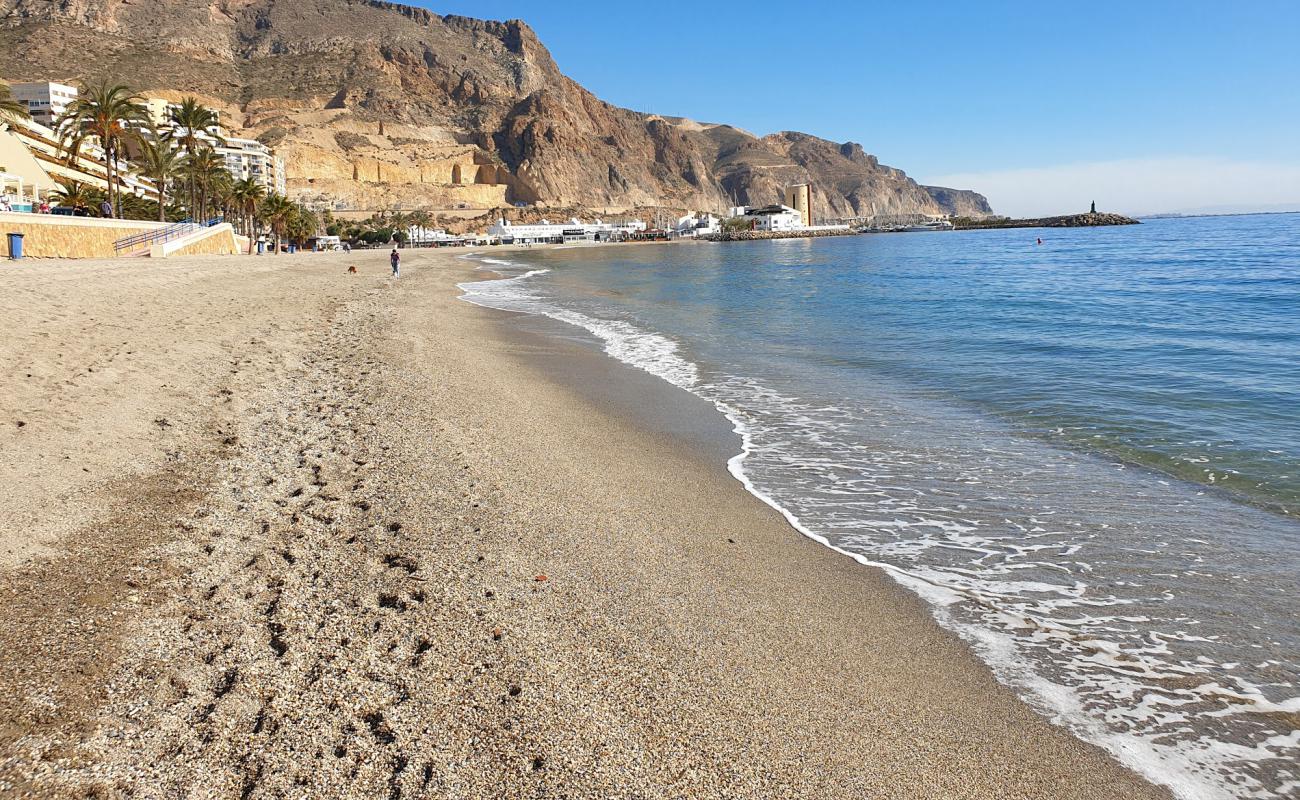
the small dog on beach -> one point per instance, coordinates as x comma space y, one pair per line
353, 270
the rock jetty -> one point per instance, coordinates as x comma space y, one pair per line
1089, 220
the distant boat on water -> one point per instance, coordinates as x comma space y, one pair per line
937, 225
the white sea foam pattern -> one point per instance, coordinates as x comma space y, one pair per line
1014, 557
651, 352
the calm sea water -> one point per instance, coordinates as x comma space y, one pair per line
1085, 454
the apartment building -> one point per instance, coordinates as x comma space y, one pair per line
45, 101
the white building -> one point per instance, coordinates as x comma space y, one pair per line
32, 151
244, 158
774, 218
571, 231
691, 226
249, 158
45, 101
160, 112
420, 235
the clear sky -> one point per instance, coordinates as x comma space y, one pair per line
1145, 106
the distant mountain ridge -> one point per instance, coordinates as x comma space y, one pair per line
473, 112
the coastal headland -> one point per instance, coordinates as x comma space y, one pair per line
275, 529
1088, 220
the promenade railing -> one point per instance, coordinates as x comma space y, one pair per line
147, 239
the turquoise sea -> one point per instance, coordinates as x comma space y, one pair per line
1085, 454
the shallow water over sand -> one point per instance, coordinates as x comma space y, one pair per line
1085, 454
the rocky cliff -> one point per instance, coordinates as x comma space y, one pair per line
374, 104
960, 202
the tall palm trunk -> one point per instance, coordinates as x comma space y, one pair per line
191, 146
108, 167
117, 187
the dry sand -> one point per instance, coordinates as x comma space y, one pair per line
273, 530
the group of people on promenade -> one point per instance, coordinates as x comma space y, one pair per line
42, 208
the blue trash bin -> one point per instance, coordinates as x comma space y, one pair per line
293, 248
15, 246
261, 247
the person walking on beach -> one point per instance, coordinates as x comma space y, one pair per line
396, 260
106, 210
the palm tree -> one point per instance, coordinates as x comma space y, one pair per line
160, 161
277, 212
246, 195
191, 123
216, 192
110, 113
207, 175
75, 194
9, 107
303, 224
136, 207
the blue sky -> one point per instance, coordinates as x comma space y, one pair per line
1015, 94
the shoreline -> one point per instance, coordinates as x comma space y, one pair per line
662, 391
933, 597
401, 555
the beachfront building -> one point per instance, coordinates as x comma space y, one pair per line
244, 158
420, 236
546, 232
160, 112
45, 101
31, 151
16, 194
774, 218
692, 226
249, 158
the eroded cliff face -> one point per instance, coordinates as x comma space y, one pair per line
474, 113
960, 202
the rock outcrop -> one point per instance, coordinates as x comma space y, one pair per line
960, 202
474, 113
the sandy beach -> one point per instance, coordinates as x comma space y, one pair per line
275, 530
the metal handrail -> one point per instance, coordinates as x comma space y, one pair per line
165, 234
174, 231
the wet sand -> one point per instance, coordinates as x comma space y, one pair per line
277, 530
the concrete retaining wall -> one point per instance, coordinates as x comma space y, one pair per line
219, 240
52, 236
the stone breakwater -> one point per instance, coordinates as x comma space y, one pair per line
1089, 220
749, 236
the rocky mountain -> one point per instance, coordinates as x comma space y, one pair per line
960, 202
375, 104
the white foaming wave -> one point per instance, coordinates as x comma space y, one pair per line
1194, 766
651, 352
1018, 621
